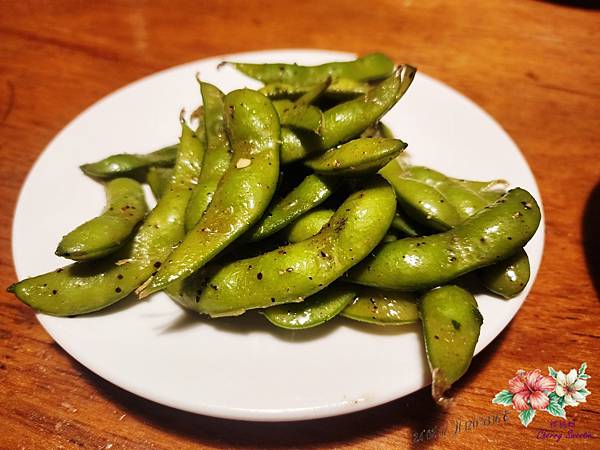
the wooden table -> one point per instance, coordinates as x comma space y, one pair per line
533, 65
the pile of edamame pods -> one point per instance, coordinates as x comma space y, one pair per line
291, 199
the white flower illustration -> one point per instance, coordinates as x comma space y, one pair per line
571, 388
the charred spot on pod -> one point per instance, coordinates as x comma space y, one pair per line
120, 276
59, 270
215, 287
117, 289
272, 300
437, 337
259, 275
157, 264
456, 324
54, 292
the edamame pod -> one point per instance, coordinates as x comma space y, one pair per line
451, 324
382, 307
404, 225
243, 193
509, 277
340, 88
347, 120
315, 310
417, 263
159, 178
130, 164
299, 115
465, 201
314, 93
307, 225
423, 203
358, 157
313, 191
108, 232
217, 157
86, 287
296, 271
373, 66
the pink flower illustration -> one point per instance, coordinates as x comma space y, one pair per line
530, 386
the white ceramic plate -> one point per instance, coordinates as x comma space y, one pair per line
245, 368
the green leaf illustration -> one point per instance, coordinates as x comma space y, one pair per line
584, 376
561, 402
553, 396
582, 368
584, 391
503, 398
527, 416
552, 372
556, 410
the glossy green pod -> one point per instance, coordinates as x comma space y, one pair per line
509, 277
495, 233
341, 88
307, 225
130, 164
423, 203
465, 201
90, 286
315, 310
108, 232
243, 193
405, 226
299, 115
159, 178
382, 307
349, 119
451, 324
373, 66
217, 157
295, 271
310, 193
357, 157
314, 93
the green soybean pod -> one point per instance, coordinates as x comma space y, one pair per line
314, 93
295, 271
424, 204
404, 225
509, 277
311, 192
299, 115
357, 157
382, 307
342, 88
217, 157
465, 201
130, 164
243, 193
315, 310
373, 66
451, 324
108, 232
90, 286
494, 234
349, 119
307, 225
159, 178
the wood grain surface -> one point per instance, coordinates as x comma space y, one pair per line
532, 65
